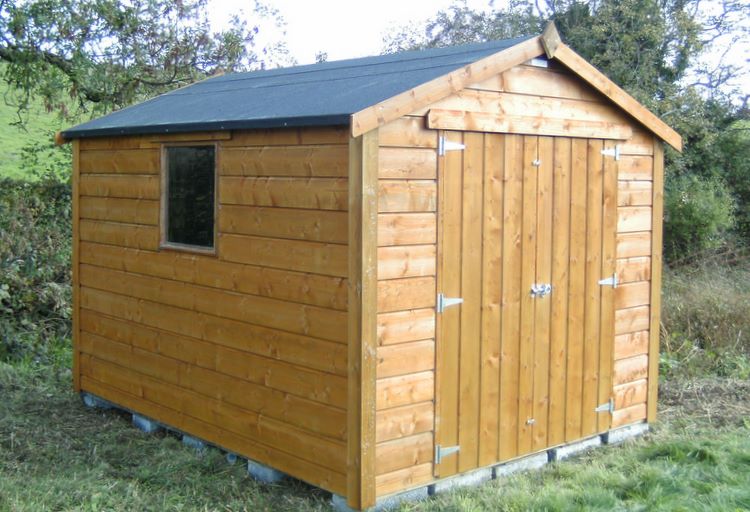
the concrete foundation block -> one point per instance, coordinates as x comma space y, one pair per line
528, 463
193, 442
563, 452
95, 402
339, 504
472, 478
145, 424
263, 473
622, 434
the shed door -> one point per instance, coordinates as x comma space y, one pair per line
519, 372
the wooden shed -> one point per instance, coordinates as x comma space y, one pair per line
379, 273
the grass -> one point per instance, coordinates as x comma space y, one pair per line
57, 455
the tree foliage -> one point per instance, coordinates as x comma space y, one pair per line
656, 50
105, 54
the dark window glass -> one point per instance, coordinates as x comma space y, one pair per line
190, 201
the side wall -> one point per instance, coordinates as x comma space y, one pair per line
407, 238
247, 348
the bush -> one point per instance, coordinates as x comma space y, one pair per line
698, 215
706, 318
35, 251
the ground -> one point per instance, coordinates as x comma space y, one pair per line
57, 455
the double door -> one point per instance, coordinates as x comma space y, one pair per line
527, 235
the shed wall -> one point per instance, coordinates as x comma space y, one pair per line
245, 348
407, 250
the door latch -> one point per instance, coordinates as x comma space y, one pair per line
540, 290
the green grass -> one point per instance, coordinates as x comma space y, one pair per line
57, 455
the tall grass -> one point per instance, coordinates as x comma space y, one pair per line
706, 316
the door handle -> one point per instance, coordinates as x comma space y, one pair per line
540, 290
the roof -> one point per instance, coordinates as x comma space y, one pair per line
319, 94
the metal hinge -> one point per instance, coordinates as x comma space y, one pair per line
444, 302
607, 407
448, 145
441, 452
610, 281
615, 152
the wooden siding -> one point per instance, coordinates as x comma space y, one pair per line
248, 348
407, 238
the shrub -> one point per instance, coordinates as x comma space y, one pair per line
35, 250
698, 215
706, 318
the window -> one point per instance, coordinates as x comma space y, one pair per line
189, 195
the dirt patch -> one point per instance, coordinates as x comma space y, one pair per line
718, 402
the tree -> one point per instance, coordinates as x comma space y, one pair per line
100, 55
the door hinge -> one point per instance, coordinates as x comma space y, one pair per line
615, 152
441, 452
607, 407
449, 145
610, 281
444, 302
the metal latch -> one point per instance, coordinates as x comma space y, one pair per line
615, 152
449, 145
441, 452
610, 281
607, 407
444, 302
540, 290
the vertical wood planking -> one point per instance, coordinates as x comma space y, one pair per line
528, 276
576, 289
609, 249
76, 281
559, 306
592, 315
471, 309
492, 234
511, 297
542, 305
656, 272
362, 319
449, 322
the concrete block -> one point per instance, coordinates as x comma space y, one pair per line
193, 442
622, 434
528, 463
472, 478
393, 502
563, 452
263, 473
95, 402
147, 425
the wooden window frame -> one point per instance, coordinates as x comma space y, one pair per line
164, 244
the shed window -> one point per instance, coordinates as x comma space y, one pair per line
190, 184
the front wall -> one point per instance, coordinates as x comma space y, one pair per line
407, 261
247, 348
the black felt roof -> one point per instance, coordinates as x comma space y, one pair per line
312, 95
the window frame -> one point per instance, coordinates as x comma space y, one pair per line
164, 244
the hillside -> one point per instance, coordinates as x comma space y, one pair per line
39, 127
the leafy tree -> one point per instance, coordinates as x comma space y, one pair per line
106, 54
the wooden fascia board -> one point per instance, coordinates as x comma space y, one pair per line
429, 92
604, 85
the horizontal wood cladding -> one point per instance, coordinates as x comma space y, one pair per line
297, 255
634, 193
634, 269
631, 344
316, 290
405, 389
406, 261
149, 397
401, 479
404, 452
405, 326
407, 132
308, 193
407, 228
127, 161
245, 348
405, 358
407, 196
297, 318
404, 421
315, 225
404, 294
303, 161
408, 163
